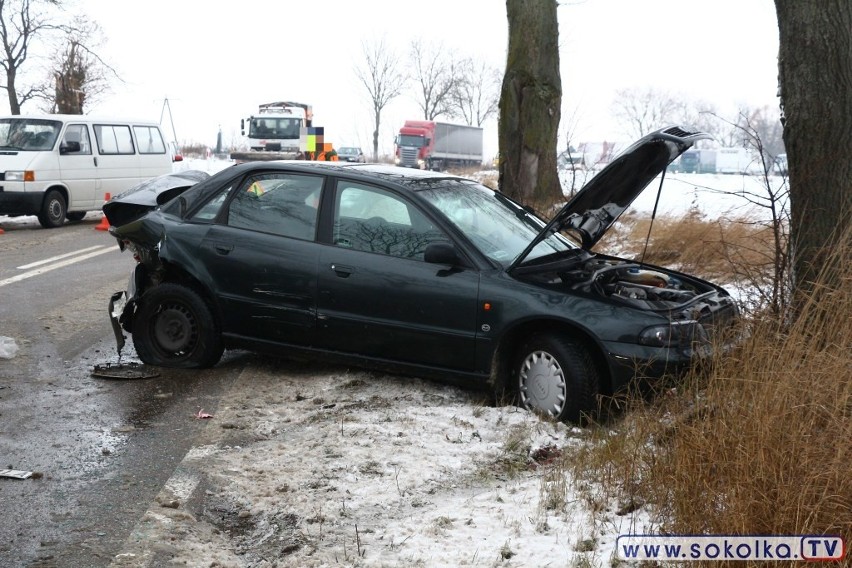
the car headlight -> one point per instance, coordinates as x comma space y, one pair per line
676, 333
27, 175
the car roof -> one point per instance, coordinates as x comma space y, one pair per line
410, 178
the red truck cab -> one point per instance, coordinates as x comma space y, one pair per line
414, 143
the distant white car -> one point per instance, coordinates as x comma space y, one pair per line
351, 154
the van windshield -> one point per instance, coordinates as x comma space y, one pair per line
28, 134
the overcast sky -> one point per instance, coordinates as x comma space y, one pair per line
216, 62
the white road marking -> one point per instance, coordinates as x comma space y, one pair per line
59, 257
49, 267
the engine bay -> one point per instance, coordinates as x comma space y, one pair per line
626, 282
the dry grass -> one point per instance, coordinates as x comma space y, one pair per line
759, 445
692, 243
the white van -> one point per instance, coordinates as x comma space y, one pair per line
59, 166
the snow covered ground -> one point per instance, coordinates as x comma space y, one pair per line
307, 466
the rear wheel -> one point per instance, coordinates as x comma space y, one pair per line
53, 209
174, 327
555, 375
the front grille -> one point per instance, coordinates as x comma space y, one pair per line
408, 156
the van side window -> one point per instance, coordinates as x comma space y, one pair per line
149, 140
78, 133
114, 139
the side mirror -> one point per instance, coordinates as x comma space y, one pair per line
69, 147
441, 253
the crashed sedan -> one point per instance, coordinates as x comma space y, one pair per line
412, 271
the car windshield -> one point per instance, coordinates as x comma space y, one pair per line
497, 226
28, 133
345, 150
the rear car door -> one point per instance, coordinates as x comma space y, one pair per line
378, 297
262, 257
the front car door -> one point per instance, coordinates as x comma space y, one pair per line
378, 297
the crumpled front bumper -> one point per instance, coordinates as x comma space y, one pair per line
122, 305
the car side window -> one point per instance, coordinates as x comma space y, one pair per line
278, 203
374, 220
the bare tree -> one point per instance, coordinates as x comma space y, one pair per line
21, 23
815, 87
763, 124
644, 110
475, 97
78, 74
381, 75
435, 76
530, 105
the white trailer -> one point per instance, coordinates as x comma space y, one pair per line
733, 160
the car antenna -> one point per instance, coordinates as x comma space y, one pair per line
653, 216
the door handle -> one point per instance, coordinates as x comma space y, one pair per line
224, 249
342, 271
95, 158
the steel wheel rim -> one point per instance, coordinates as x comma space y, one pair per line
542, 383
54, 210
175, 331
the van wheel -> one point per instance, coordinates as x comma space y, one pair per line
53, 208
75, 216
174, 327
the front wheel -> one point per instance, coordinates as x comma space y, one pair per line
174, 327
555, 375
53, 209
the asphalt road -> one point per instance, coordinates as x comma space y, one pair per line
100, 449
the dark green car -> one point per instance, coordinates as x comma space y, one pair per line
410, 271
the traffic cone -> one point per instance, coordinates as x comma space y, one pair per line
104, 224
2, 231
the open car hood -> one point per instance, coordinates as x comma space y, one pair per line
594, 209
149, 194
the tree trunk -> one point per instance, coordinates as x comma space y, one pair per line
378, 117
11, 90
815, 77
530, 105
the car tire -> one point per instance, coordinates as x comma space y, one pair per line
174, 327
555, 376
75, 216
53, 209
